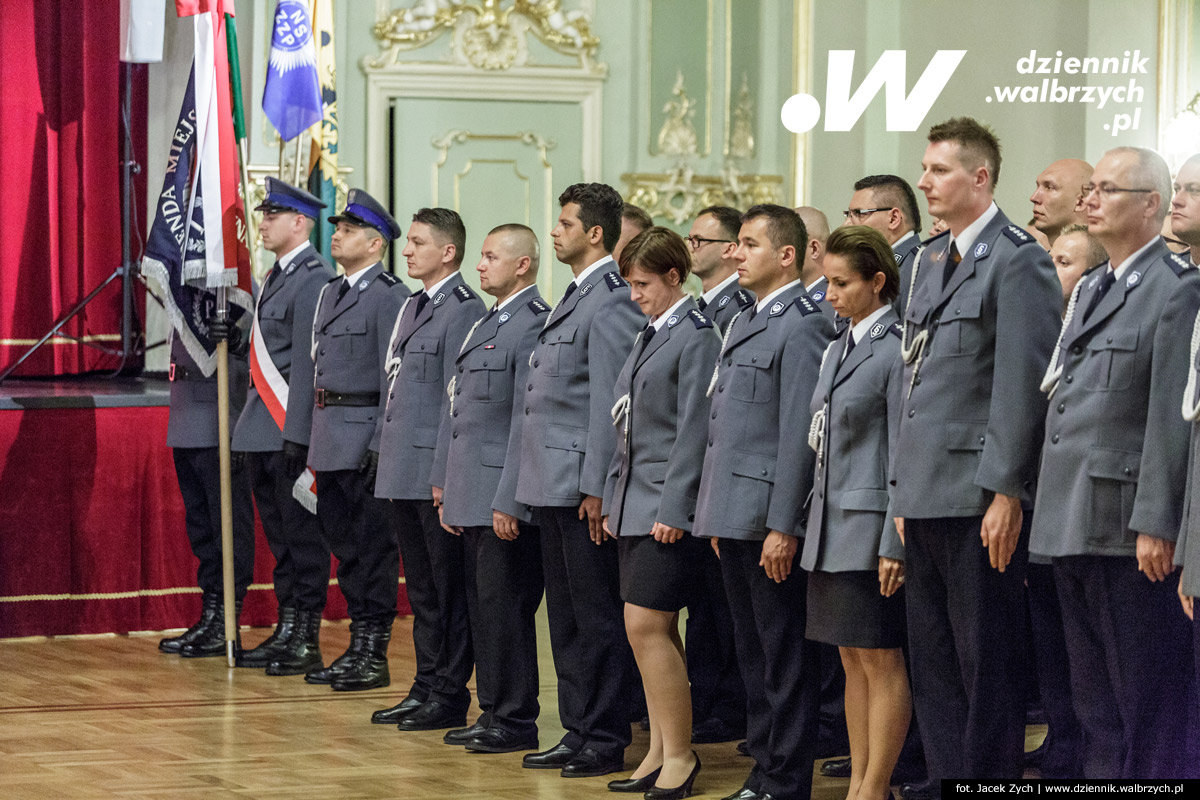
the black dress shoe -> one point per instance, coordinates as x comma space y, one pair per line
745, 794
433, 716
927, 790
464, 735
642, 784
676, 792
591, 764
836, 768
743, 749
556, 757
498, 740
716, 730
391, 716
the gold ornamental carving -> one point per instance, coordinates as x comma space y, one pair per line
741, 137
488, 35
677, 137
677, 195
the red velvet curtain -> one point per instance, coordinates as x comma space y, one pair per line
60, 202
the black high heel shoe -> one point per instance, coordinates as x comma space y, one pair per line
635, 784
679, 792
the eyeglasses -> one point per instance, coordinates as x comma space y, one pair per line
859, 214
1086, 190
699, 241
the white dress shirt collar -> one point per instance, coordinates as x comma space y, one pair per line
712, 294
662, 318
966, 239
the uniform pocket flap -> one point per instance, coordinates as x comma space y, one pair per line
561, 335
425, 437
273, 312
760, 359
1115, 340
561, 438
751, 465
656, 471
966, 435
488, 360
967, 307
360, 414
492, 454
348, 327
1115, 465
426, 345
865, 500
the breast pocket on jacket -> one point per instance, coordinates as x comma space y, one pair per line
557, 353
750, 495
273, 320
961, 328
752, 380
1111, 360
1114, 476
422, 362
488, 377
348, 339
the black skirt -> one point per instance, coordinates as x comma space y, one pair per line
659, 576
846, 609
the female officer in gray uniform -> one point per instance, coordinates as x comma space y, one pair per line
852, 550
650, 496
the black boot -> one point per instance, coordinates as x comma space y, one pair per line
212, 643
369, 670
321, 674
172, 644
270, 648
302, 651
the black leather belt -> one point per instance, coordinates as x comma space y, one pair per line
328, 398
178, 372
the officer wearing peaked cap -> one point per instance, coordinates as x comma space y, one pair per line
274, 427
350, 333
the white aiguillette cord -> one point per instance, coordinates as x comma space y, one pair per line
816, 431
1054, 370
454, 379
712, 384
1191, 408
916, 349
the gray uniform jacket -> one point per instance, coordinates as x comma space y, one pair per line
817, 295
1114, 462
758, 467
285, 317
350, 340
729, 302
905, 256
483, 422
568, 439
192, 420
849, 524
971, 423
655, 470
1187, 548
426, 345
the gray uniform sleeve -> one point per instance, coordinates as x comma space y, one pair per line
464, 316
298, 427
385, 319
610, 340
890, 545
677, 506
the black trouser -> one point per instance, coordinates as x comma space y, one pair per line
504, 590
301, 556
436, 583
587, 633
1131, 663
1064, 736
966, 629
781, 670
712, 664
198, 470
354, 523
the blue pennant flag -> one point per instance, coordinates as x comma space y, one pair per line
292, 97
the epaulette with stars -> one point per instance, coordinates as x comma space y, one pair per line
463, 293
614, 281
743, 298
1018, 236
805, 304
698, 319
538, 306
1178, 264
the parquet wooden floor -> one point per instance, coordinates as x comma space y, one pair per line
111, 717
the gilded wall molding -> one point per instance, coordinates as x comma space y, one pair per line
677, 195
488, 35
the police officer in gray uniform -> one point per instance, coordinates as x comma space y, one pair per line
713, 241
355, 316
1114, 463
276, 443
476, 467
758, 471
887, 204
979, 329
192, 437
425, 342
566, 447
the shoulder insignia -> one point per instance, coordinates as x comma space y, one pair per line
1178, 264
936, 236
439, 299
673, 320
744, 298
614, 281
878, 330
388, 278
899, 257
463, 293
538, 306
698, 319
1017, 235
805, 304
895, 330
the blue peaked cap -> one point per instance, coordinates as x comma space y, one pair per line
364, 210
285, 197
